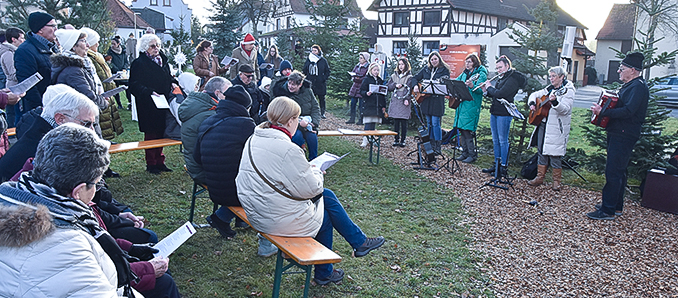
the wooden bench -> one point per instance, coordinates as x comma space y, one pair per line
302, 252
150, 144
11, 132
373, 137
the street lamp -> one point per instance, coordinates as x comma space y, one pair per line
135, 29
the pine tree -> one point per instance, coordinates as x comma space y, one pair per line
181, 39
413, 54
223, 31
538, 37
196, 31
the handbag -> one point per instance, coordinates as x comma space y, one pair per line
529, 170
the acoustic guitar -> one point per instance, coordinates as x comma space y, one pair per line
419, 96
541, 109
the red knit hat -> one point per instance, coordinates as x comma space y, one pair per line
249, 39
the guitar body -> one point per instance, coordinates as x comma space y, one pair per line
540, 111
418, 96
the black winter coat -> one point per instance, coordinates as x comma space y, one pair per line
373, 103
73, 72
432, 105
628, 116
257, 98
25, 147
305, 99
145, 77
31, 57
319, 81
219, 149
507, 87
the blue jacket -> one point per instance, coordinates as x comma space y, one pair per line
628, 116
219, 149
24, 148
31, 57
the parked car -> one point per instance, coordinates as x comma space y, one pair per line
671, 92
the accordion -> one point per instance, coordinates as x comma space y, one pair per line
608, 100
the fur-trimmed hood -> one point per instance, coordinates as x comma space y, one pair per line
61, 61
20, 226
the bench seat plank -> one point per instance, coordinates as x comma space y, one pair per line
11, 131
336, 133
150, 144
303, 250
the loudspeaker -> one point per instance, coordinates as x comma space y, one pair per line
661, 191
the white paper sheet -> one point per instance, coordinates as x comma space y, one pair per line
26, 84
113, 77
168, 245
114, 91
326, 160
160, 101
381, 89
229, 61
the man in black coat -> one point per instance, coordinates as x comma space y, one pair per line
221, 140
245, 78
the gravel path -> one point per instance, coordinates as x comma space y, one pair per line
552, 249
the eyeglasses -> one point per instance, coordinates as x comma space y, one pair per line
621, 68
155, 46
85, 123
96, 184
51, 25
249, 76
82, 40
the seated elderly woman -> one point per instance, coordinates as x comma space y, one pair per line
52, 236
283, 195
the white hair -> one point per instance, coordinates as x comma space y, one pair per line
69, 102
558, 70
54, 90
145, 40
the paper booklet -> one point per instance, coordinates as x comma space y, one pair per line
326, 160
114, 91
26, 84
229, 61
353, 74
381, 89
168, 245
349, 131
113, 77
266, 66
160, 101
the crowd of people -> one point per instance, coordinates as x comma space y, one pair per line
243, 137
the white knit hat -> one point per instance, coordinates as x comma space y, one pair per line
67, 38
92, 36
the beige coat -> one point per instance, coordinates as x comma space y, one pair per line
243, 58
284, 165
557, 123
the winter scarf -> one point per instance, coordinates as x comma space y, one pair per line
313, 69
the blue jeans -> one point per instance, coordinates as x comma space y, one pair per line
356, 101
336, 218
500, 125
311, 140
225, 214
619, 151
435, 132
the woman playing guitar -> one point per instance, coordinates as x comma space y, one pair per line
551, 134
433, 107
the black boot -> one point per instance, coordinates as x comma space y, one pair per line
352, 119
491, 169
471, 149
503, 171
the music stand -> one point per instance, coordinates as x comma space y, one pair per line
456, 89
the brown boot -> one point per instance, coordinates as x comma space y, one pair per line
557, 174
541, 172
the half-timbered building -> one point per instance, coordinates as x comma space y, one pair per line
439, 24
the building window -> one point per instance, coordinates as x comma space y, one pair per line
167, 2
344, 24
431, 18
429, 46
289, 22
399, 47
277, 24
154, 2
401, 19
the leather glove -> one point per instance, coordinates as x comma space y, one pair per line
143, 251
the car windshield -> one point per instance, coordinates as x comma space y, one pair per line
669, 81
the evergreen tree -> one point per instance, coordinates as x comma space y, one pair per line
196, 31
181, 39
413, 54
223, 31
284, 45
537, 38
341, 41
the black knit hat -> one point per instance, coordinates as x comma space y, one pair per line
238, 94
285, 65
634, 60
37, 20
246, 68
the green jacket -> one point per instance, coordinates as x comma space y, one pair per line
197, 107
305, 98
467, 114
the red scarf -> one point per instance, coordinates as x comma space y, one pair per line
287, 132
249, 53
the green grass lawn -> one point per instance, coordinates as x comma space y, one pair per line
426, 253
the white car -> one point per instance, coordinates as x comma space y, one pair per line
671, 92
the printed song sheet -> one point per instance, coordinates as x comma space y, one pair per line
168, 245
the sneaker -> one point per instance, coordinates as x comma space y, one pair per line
364, 143
336, 277
600, 215
266, 248
222, 227
323, 116
616, 212
239, 223
402, 144
369, 245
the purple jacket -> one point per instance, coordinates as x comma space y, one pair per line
361, 71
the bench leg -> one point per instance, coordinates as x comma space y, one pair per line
278, 275
193, 197
374, 142
307, 285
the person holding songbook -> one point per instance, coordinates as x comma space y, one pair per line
400, 107
468, 112
205, 64
375, 102
550, 136
623, 131
433, 106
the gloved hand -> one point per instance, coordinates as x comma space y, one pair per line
143, 251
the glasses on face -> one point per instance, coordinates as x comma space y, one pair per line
154, 46
51, 25
91, 184
621, 68
251, 76
82, 40
85, 123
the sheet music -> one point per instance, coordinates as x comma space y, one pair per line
113, 77
27, 84
170, 243
349, 131
326, 160
229, 61
113, 92
434, 87
266, 66
381, 89
512, 109
160, 101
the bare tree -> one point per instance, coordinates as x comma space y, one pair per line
659, 16
256, 11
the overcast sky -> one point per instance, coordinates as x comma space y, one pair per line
591, 13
